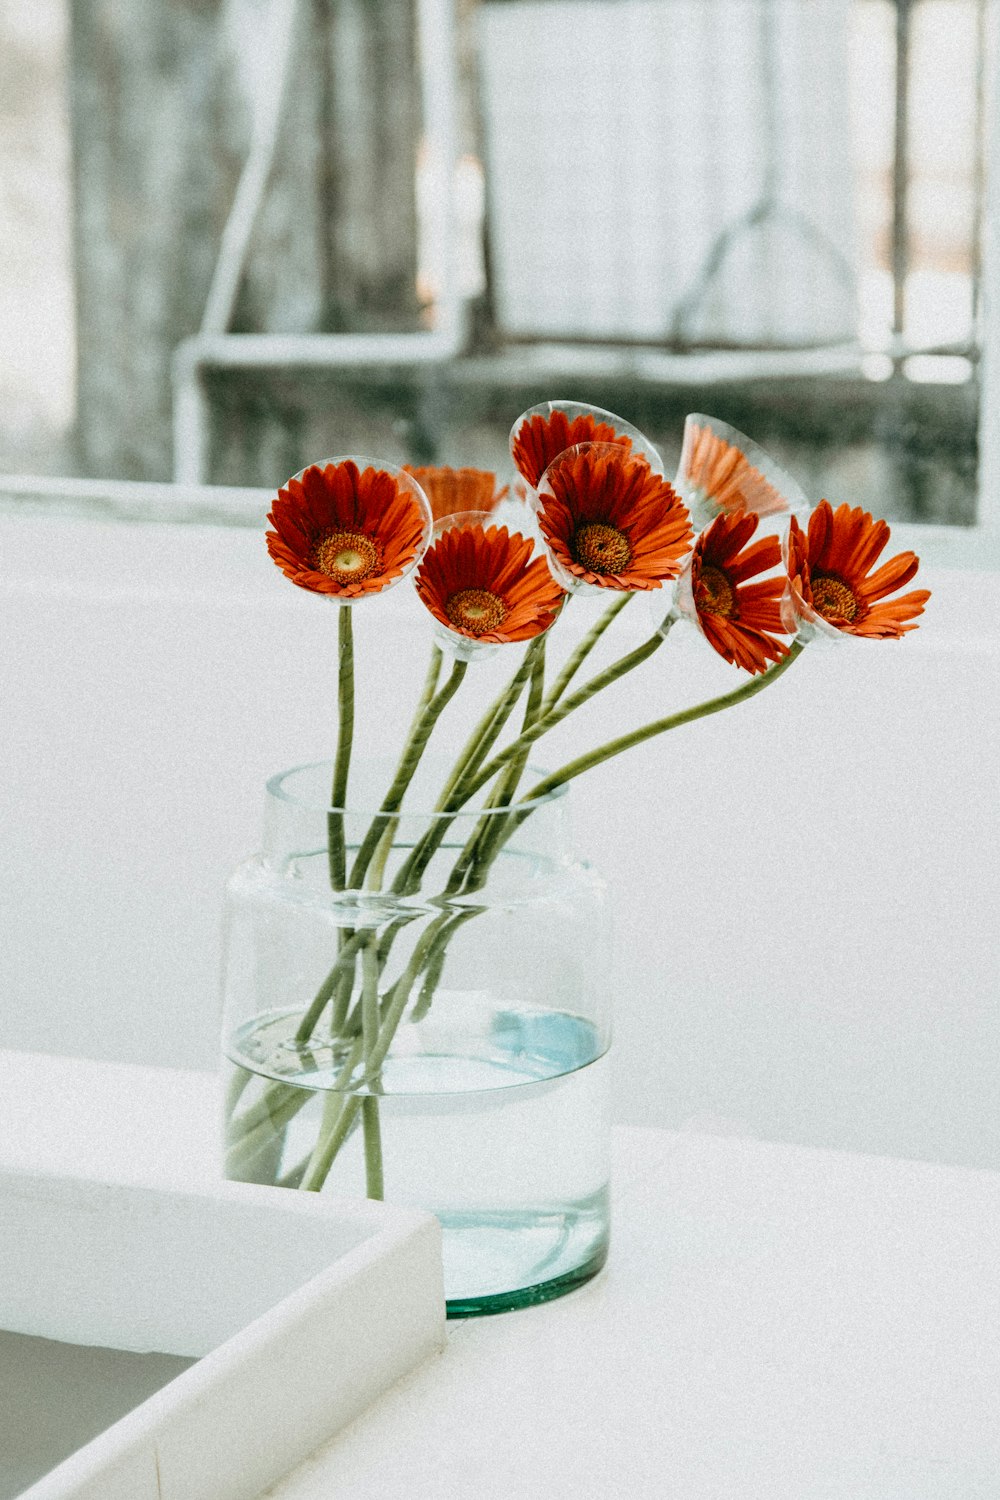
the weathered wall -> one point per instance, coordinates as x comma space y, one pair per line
157, 145
161, 105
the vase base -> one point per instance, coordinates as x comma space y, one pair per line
527, 1296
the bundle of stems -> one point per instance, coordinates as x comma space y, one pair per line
356, 1005
608, 521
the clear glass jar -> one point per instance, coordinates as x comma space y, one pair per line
436, 1034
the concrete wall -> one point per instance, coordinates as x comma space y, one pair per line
163, 99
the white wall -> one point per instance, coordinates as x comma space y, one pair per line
805, 887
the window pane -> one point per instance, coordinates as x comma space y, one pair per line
685, 204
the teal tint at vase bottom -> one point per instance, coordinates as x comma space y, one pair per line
509, 1148
528, 1258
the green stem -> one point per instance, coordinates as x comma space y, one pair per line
339, 982
329, 1143
536, 690
377, 869
404, 775
255, 1128
256, 1131
234, 1092
428, 957
661, 726
343, 990
401, 993
346, 956
327, 1146
482, 848
272, 1105
342, 762
277, 1106
473, 865
575, 661
558, 712
489, 831
374, 1179
338, 1116
476, 749
436, 958
369, 998
351, 1026
345, 984
374, 1184
484, 736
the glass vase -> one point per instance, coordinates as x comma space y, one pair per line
436, 1033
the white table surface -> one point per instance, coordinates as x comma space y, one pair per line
775, 1323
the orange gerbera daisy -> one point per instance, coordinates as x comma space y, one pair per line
452, 491
347, 531
610, 522
716, 473
482, 584
738, 618
541, 438
831, 582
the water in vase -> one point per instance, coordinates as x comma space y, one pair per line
508, 1146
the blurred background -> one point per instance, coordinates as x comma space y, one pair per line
771, 209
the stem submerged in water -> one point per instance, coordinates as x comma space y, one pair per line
327, 1145
369, 1040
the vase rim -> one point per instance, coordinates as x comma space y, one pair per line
275, 787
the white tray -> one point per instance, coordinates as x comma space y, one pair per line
300, 1310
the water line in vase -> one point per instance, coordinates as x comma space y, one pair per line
325, 1150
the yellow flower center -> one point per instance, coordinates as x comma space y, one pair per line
601, 548
715, 594
833, 598
345, 556
475, 610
